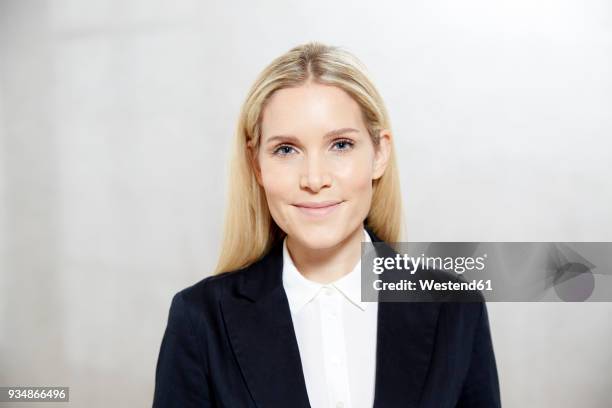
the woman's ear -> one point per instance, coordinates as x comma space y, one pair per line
252, 154
382, 152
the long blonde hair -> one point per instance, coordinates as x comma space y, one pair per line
250, 231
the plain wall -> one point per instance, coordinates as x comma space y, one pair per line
116, 119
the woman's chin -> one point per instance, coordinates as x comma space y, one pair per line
319, 238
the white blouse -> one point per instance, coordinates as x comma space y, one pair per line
336, 336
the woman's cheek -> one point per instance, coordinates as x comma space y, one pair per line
357, 175
278, 185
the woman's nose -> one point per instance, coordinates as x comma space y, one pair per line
315, 174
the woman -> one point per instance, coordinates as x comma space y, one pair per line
281, 323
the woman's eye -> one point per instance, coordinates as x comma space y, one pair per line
283, 150
343, 145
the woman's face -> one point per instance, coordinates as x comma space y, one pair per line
316, 163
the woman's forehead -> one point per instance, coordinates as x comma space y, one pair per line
312, 108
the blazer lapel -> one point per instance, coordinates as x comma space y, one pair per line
403, 353
405, 342
260, 328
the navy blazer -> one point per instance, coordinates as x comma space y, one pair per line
230, 342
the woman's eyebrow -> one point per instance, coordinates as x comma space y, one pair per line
330, 134
339, 132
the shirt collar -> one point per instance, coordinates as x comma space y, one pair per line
301, 290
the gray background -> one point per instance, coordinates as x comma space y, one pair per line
116, 119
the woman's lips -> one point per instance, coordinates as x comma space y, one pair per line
319, 209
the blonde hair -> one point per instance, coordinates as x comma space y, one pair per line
250, 231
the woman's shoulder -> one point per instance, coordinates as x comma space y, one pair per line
208, 291
212, 288
463, 306
199, 302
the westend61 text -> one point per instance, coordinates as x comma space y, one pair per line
430, 285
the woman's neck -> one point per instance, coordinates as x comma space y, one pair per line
329, 264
